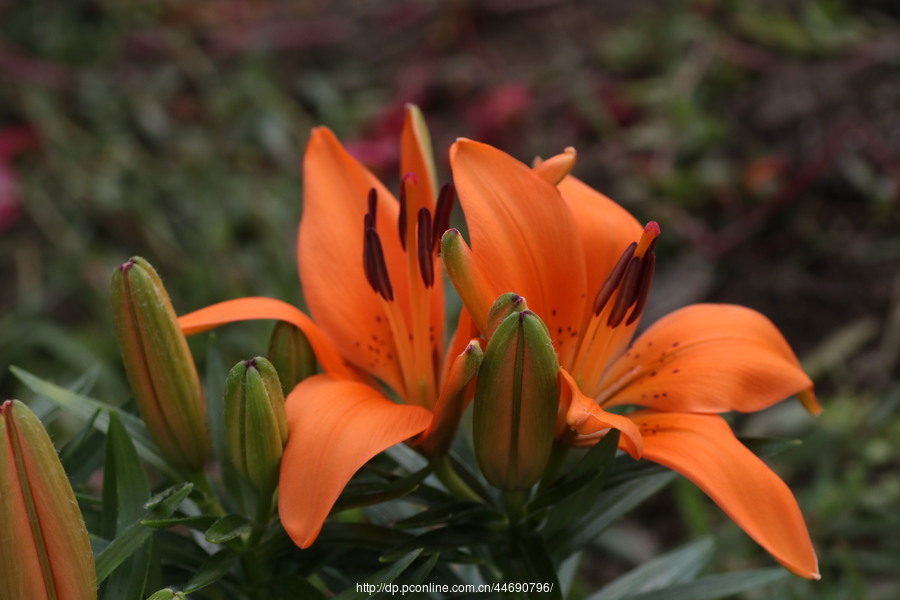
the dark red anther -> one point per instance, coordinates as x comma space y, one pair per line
401, 218
375, 265
647, 269
615, 278
373, 204
442, 214
426, 261
627, 292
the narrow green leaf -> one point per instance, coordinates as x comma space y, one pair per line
166, 594
83, 454
677, 566
716, 586
578, 487
212, 570
227, 528
362, 535
383, 576
125, 489
439, 515
565, 536
367, 493
131, 537
198, 522
445, 540
530, 562
85, 407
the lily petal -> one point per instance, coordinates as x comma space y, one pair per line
704, 449
335, 427
706, 358
522, 236
330, 256
592, 422
254, 308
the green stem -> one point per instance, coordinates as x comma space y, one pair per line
205, 497
515, 506
451, 480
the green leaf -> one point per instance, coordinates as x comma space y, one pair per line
212, 570
125, 489
439, 515
166, 594
227, 528
85, 407
767, 446
386, 575
673, 567
566, 535
198, 522
367, 493
578, 487
83, 454
716, 586
363, 535
446, 539
134, 535
530, 562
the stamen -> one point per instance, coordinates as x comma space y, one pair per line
401, 218
615, 278
375, 265
643, 292
627, 293
373, 204
442, 214
426, 261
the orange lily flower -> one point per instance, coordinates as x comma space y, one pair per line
584, 264
372, 282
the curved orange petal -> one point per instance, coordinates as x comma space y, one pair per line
704, 449
592, 422
604, 227
706, 358
335, 427
416, 157
523, 236
254, 308
330, 256
556, 168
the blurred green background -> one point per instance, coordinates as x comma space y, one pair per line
764, 136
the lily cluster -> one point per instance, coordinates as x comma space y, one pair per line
563, 372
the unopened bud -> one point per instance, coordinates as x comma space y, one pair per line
516, 399
504, 306
159, 364
255, 423
291, 354
45, 551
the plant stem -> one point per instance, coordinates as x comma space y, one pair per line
451, 480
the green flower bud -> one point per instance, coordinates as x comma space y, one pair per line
291, 354
255, 423
44, 547
159, 364
504, 306
516, 400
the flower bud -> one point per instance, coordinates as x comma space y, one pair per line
291, 354
44, 547
504, 306
159, 364
255, 423
516, 401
